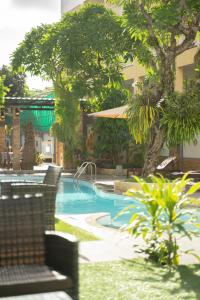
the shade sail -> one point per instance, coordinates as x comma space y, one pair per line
42, 120
114, 113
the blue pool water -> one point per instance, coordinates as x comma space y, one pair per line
85, 199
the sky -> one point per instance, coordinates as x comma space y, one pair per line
69, 4
17, 18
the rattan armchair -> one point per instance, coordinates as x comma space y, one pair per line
48, 188
51, 177
32, 260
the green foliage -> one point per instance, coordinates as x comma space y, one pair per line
112, 138
181, 115
80, 234
141, 117
2, 93
14, 83
11, 84
197, 64
67, 120
81, 54
92, 43
111, 135
136, 154
165, 216
39, 158
160, 30
31, 53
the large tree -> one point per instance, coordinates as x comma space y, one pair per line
14, 82
81, 55
163, 30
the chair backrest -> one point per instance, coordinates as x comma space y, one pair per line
166, 162
49, 197
52, 175
21, 230
5, 188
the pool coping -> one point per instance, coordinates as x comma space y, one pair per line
89, 223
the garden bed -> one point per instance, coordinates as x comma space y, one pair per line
112, 172
124, 186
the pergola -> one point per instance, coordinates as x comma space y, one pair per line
16, 104
30, 103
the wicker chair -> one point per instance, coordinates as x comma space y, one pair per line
48, 188
52, 175
32, 260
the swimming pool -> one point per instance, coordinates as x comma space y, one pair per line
83, 198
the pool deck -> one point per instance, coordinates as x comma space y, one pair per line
116, 244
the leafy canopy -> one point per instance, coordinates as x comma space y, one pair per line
162, 30
81, 54
15, 83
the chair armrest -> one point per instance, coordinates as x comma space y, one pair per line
62, 255
19, 181
31, 187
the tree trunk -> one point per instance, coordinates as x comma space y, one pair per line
157, 135
154, 147
68, 159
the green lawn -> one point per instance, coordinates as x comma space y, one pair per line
82, 235
138, 280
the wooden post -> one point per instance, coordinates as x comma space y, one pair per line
16, 139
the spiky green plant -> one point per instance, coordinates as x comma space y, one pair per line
166, 216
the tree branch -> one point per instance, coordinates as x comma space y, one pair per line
149, 20
190, 34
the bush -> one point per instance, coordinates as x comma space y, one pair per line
165, 216
39, 158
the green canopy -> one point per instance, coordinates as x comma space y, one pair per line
42, 120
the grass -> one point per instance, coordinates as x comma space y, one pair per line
81, 234
138, 280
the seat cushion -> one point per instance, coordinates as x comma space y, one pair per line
27, 279
21, 231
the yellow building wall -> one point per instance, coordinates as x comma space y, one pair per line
185, 59
136, 72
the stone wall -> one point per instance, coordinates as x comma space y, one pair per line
112, 172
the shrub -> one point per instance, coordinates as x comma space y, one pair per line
165, 215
